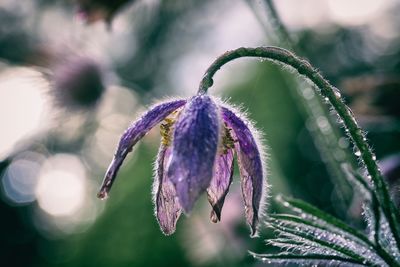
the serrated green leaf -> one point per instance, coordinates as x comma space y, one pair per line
297, 245
318, 259
325, 220
329, 240
323, 226
307, 210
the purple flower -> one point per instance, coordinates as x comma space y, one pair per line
198, 140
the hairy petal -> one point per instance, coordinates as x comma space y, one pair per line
194, 149
220, 182
132, 135
166, 202
250, 167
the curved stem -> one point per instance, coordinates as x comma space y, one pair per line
331, 94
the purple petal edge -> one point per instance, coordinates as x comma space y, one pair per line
167, 204
194, 148
132, 135
250, 167
220, 182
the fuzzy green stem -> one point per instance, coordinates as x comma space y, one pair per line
328, 92
281, 30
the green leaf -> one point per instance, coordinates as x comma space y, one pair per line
377, 222
326, 239
297, 245
324, 226
321, 219
309, 259
309, 211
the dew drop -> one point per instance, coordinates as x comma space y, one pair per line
357, 153
337, 93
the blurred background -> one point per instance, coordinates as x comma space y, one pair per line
73, 75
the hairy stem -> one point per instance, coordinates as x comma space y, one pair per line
329, 93
281, 30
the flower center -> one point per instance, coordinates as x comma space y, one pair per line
227, 140
166, 128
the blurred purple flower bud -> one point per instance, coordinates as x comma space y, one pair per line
94, 10
78, 83
196, 155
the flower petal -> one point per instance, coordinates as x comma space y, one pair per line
194, 148
132, 135
167, 204
220, 182
250, 167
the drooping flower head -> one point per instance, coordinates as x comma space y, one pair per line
199, 138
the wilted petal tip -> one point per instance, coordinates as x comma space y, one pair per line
102, 195
254, 233
214, 217
109, 177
